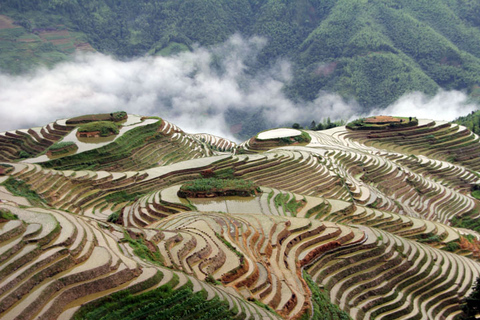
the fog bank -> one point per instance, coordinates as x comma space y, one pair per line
192, 89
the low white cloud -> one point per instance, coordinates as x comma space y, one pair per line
445, 105
193, 90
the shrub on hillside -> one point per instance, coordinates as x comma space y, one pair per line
466, 222
21, 189
114, 116
302, 138
62, 148
61, 145
113, 217
471, 306
24, 154
476, 194
452, 247
5, 169
105, 128
7, 215
218, 187
363, 124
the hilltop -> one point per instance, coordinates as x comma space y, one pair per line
363, 223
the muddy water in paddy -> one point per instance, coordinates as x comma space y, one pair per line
100, 256
215, 204
228, 204
97, 140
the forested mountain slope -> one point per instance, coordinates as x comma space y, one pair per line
372, 51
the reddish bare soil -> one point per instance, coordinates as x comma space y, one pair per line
6, 23
84, 47
63, 33
382, 119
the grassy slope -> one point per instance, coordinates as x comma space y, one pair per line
471, 121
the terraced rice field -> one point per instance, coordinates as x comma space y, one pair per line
367, 215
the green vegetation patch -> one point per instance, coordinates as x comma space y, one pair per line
471, 304
105, 128
303, 138
114, 217
123, 196
218, 187
288, 203
452, 247
7, 215
229, 245
62, 147
143, 249
322, 307
114, 116
5, 169
172, 49
429, 238
24, 154
476, 194
21, 189
471, 121
210, 279
161, 303
225, 173
466, 222
117, 150
382, 123
325, 125
262, 305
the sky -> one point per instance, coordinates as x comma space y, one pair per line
188, 90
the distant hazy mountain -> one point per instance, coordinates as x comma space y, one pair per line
370, 50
